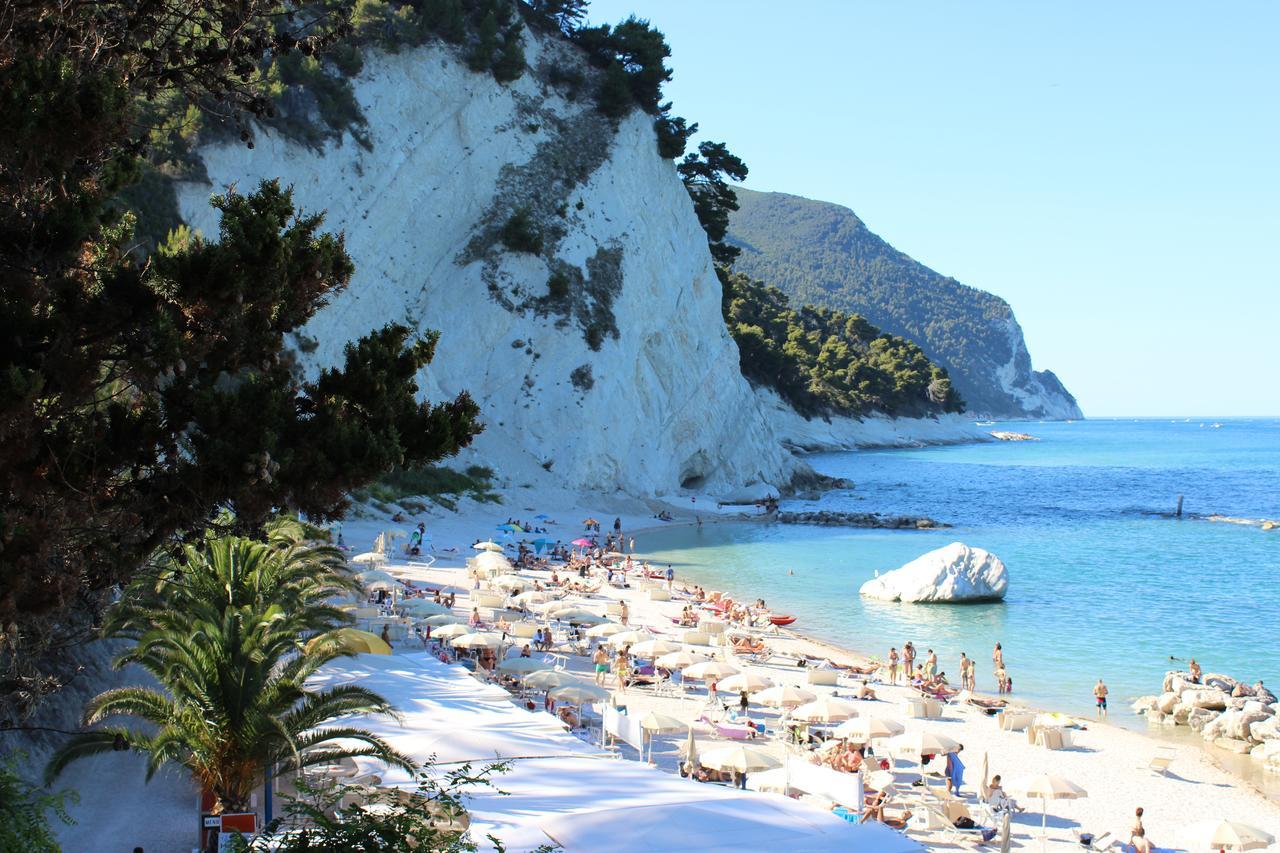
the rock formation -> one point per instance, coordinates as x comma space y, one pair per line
955, 573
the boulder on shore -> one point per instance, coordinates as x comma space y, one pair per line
955, 573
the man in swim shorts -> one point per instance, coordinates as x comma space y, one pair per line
1100, 694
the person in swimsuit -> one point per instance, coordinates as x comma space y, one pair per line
893, 665
1195, 671
1100, 695
931, 665
601, 661
908, 659
997, 658
964, 670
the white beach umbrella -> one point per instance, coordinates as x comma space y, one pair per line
371, 557
492, 562
742, 759
487, 546
579, 694
423, 607
605, 629
826, 709
1044, 788
920, 743
377, 585
654, 648
661, 724
482, 640
1226, 835
522, 665
549, 679
863, 729
578, 616
513, 583
532, 597
450, 631
630, 638
442, 619
782, 696
680, 660
553, 608
710, 670
751, 682
374, 576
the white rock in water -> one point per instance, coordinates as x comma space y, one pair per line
954, 573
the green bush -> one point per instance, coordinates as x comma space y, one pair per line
521, 233
558, 286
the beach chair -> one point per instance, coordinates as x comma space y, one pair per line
822, 677
1015, 721
1051, 738
929, 820
1089, 841
1160, 762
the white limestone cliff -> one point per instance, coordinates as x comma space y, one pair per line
954, 573
661, 407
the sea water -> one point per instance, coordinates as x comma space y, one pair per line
1104, 583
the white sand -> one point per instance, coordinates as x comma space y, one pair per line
118, 810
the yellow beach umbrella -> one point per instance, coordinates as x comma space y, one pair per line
360, 642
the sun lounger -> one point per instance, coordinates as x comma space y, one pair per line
1160, 762
923, 708
822, 677
1089, 841
1015, 721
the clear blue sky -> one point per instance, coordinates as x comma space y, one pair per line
1111, 169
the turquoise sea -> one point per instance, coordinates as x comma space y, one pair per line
1103, 583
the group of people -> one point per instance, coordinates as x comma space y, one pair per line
927, 677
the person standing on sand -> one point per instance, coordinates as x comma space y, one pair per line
966, 672
908, 659
930, 665
893, 665
997, 658
624, 613
1100, 695
601, 661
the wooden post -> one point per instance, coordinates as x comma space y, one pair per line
1178, 513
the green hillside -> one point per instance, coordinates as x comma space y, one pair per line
822, 254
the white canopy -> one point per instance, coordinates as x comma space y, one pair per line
842, 788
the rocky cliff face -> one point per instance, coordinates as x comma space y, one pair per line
600, 355
823, 254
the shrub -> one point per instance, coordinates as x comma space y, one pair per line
521, 233
582, 380
558, 285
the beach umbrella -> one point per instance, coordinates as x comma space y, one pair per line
781, 696
1044, 788
742, 759
492, 562
578, 616
531, 597
614, 555
440, 620
513, 583
654, 648
920, 743
423, 607
630, 638
863, 729
605, 629
449, 632
690, 751
377, 585
1227, 835
711, 670
579, 694
522, 665
661, 724
751, 682
375, 576
581, 543
487, 546
371, 557
355, 640
680, 660
511, 528
826, 709
549, 679
482, 640
539, 544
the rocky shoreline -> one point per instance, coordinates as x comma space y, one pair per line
1226, 712
875, 520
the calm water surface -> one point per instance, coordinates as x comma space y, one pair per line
1103, 583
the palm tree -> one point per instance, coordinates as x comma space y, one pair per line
224, 631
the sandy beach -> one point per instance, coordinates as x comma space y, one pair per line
1108, 761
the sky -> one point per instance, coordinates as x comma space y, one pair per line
1112, 170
